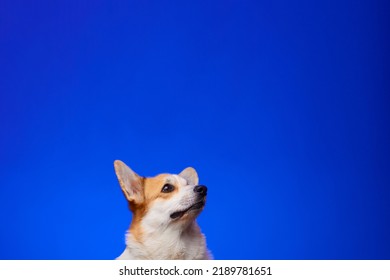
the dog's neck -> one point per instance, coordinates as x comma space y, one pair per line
148, 241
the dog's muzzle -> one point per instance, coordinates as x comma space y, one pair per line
201, 191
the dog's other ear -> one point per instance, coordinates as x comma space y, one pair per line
190, 175
130, 182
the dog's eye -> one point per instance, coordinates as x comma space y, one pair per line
167, 188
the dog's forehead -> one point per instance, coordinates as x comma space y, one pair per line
162, 179
175, 179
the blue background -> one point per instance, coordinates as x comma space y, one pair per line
282, 107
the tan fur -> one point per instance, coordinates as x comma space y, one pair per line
152, 190
153, 186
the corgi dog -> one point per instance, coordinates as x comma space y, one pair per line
164, 210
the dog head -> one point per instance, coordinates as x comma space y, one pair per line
164, 199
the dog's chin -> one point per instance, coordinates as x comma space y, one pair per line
190, 212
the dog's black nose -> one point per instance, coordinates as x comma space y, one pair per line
200, 189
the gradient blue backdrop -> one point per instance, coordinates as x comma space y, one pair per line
282, 107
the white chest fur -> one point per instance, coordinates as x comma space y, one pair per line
170, 243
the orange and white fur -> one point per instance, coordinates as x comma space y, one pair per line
164, 210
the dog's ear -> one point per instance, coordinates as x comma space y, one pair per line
190, 175
130, 182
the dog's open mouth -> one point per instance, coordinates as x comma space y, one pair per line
180, 214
